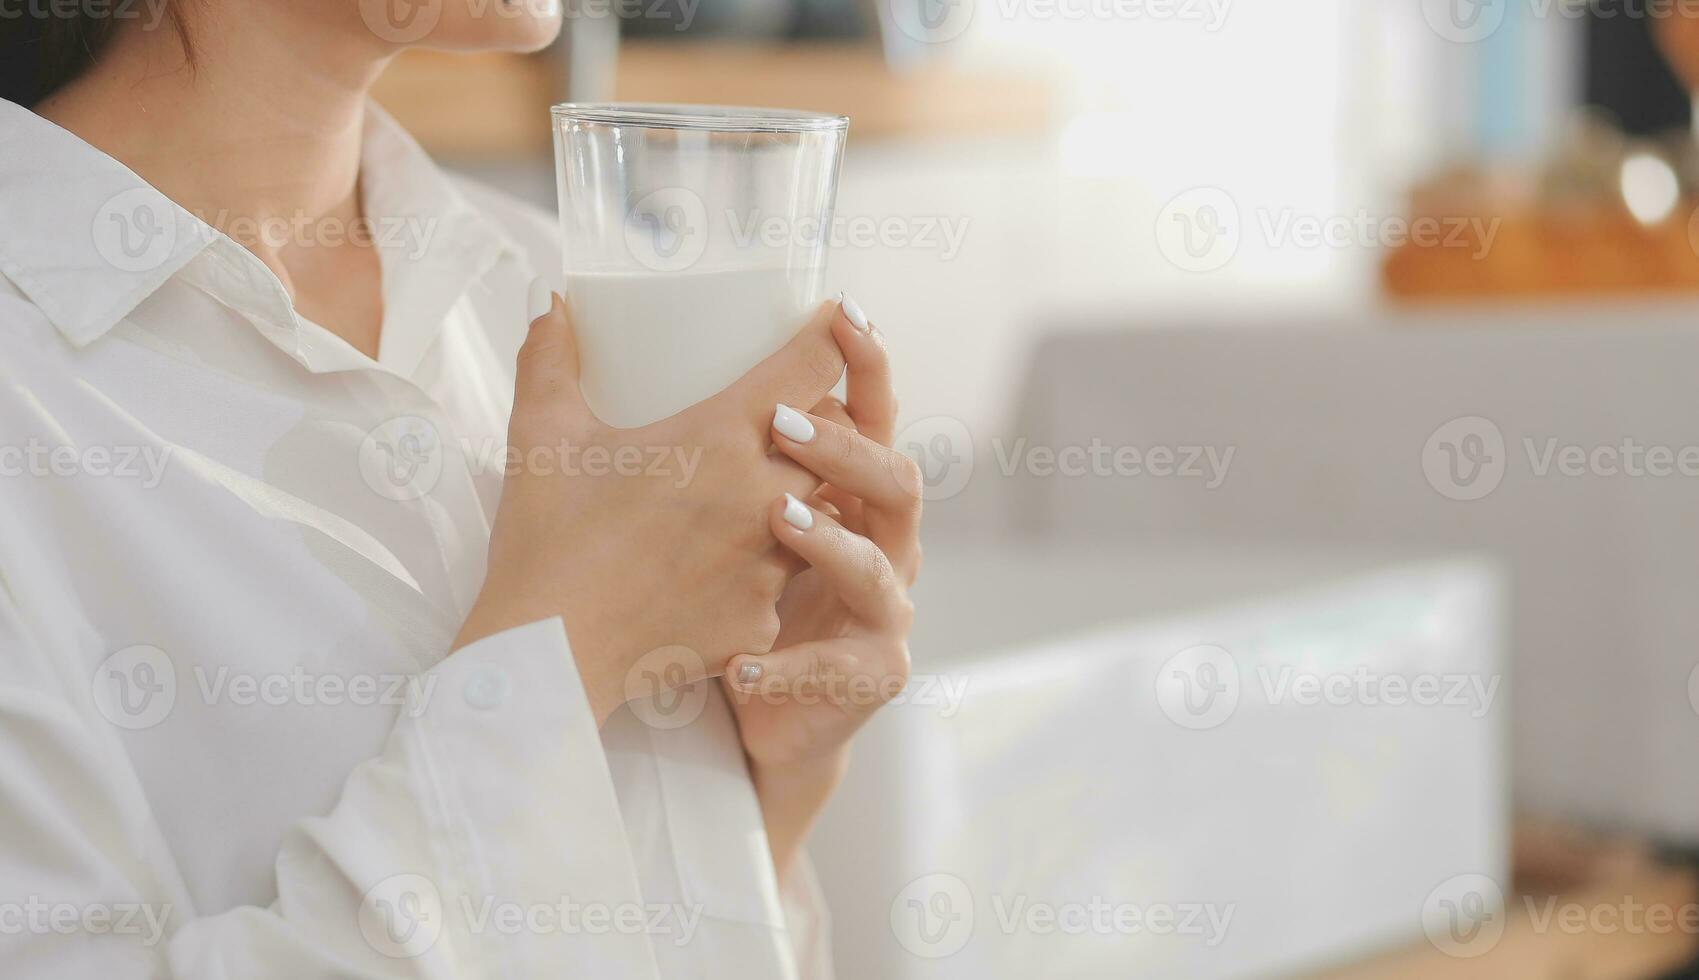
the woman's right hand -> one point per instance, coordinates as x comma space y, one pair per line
641, 539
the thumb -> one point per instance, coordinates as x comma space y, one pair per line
817, 672
546, 377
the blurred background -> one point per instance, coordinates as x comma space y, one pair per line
1305, 393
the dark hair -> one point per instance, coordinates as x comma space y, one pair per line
44, 45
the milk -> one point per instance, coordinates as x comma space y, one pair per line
654, 343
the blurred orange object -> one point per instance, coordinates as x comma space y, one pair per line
1598, 251
1563, 227
1678, 37
1565, 232
1584, 908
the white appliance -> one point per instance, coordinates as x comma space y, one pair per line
1104, 766
1345, 431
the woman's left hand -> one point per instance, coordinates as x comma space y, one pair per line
842, 650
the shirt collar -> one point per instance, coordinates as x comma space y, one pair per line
87, 240
433, 244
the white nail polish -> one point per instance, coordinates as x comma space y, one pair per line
852, 309
797, 514
538, 300
792, 424
749, 673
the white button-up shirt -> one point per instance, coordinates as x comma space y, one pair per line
233, 554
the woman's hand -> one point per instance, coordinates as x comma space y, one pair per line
842, 650
671, 549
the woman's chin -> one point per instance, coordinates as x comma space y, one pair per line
490, 25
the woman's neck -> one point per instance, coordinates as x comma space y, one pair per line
263, 128
266, 123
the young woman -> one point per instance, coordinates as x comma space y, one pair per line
332, 644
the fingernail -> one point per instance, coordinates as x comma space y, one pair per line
538, 300
797, 514
748, 674
792, 424
852, 309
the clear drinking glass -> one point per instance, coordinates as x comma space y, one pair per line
695, 241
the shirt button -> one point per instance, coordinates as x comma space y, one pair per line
488, 687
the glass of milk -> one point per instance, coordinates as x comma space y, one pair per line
695, 241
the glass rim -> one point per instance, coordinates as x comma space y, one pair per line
709, 118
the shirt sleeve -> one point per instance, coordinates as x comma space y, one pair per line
496, 794
807, 921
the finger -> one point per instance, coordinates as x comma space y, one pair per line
800, 373
840, 500
819, 671
841, 504
872, 394
860, 574
850, 461
826, 408
789, 563
846, 507
789, 476
815, 667
546, 375
833, 410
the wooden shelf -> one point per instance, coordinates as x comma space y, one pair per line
473, 105
1600, 253
496, 105
853, 79
1562, 869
